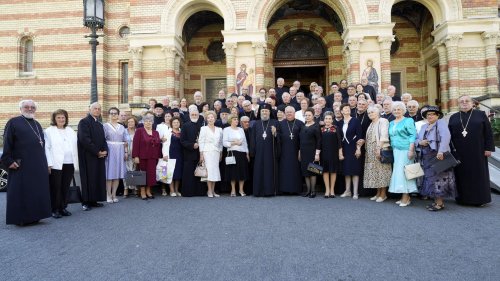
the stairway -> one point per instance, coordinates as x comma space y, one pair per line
494, 165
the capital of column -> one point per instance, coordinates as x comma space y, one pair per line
229, 48
169, 51
136, 52
452, 40
385, 42
353, 44
489, 38
260, 47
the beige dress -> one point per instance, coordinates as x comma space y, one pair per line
376, 174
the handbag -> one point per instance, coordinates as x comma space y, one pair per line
315, 168
230, 160
135, 178
74, 194
201, 171
413, 171
448, 162
386, 155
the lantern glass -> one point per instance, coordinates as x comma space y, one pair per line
94, 13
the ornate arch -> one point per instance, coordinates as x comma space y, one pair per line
349, 11
441, 10
176, 13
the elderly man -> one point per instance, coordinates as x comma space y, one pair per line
244, 93
28, 196
412, 107
198, 99
405, 98
166, 103
391, 92
353, 103
293, 94
343, 88
223, 121
380, 98
264, 147
351, 92
387, 107
222, 97
296, 84
92, 153
299, 97
472, 137
158, 115
318, 91
290, 179
191, 155
247, 111
280, 89
369, 89
330, 99
286, 101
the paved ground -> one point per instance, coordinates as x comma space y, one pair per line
283, 238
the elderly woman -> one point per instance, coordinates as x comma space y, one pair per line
172, 149
146, 151
62, 157
116, 138
131, 124
235, 141
165, 130
402, 134
377, 175
210, 140
300, 114
310, 148
434, 140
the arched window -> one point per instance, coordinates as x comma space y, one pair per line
26, 58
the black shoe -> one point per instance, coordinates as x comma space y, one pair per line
307, 194
332, 195
144, 198
65, 213
86, 207
151, 197
96, 204
28, 223
56, 215
312, 195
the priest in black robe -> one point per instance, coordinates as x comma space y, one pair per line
245, 125
223, 186
264, 147
28, 193
362, 115
92, 153
472, 137
191, 185
290, 177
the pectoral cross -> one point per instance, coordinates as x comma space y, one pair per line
291, 136
264, 135
464, 133
41, 142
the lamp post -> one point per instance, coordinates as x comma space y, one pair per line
93, 18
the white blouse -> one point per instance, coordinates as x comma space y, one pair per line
210, 140
230, 134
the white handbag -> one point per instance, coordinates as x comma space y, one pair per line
230, 160
413, 171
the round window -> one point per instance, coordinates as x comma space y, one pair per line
215, 52
124, 32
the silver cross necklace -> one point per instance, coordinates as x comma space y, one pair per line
464, 132
37, 133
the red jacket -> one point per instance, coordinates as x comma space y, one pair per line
146, 146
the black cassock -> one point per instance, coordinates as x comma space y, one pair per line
191, 185
265, 151
472, 175
91, 140
28, 193
290, 177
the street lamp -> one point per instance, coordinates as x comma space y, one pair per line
93, 18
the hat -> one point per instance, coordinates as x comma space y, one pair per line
265, 106
158, 105
174, 110
225, 110
432, 109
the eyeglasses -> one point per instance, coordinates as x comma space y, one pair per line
113, 113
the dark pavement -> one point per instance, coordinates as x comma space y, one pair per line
283, 238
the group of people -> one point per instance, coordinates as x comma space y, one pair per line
277, 141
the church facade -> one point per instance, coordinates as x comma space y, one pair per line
435, 50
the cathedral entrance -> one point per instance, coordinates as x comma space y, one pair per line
301, 56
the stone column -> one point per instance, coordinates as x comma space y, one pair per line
260, 56
170, 53
490, 48
354, 46
137, 73
443, 76
451, 43
229, 49
385, 61
177, 82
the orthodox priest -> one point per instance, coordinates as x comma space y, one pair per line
28, 194
191, 185
290, 177
92, 153
264, 147
472, 137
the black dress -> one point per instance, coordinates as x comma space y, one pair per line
472, 175
290, 172
310, 141
28, 194
352, 165
191, 185
331, 141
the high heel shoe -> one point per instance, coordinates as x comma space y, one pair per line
243, 194
374, 198
355, 197
380, 199
307, 194
403, 204
216, 195
233, 194
312, 195
150, 197
210, 195
326, 196
346, 194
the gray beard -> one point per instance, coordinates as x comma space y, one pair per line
28, 115
264, 118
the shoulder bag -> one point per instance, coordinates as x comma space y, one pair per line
448, 162
230, 159
74, 193
386, 154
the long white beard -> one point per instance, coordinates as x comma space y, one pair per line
28, 115
264, 118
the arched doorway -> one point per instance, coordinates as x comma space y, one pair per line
301, 56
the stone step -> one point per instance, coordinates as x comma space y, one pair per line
495, 158
494, 177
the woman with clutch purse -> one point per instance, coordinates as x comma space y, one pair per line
402, 133
235, 141
433, 140
331, 153
210, 140
310, 148
377, 175
146, 151
62, 158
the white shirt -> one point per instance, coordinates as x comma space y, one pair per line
210, 140
61, 147
230, 134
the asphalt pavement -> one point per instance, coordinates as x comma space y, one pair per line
246, 238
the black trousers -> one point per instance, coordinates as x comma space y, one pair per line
59, 186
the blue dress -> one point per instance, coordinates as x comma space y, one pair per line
402, 134
351, 166
175, 152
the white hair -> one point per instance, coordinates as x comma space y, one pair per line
373, 109
94, 104
406, 95
198, 93
290, 108
414, 102
21, 103
193, 108
245, 118
399, 104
